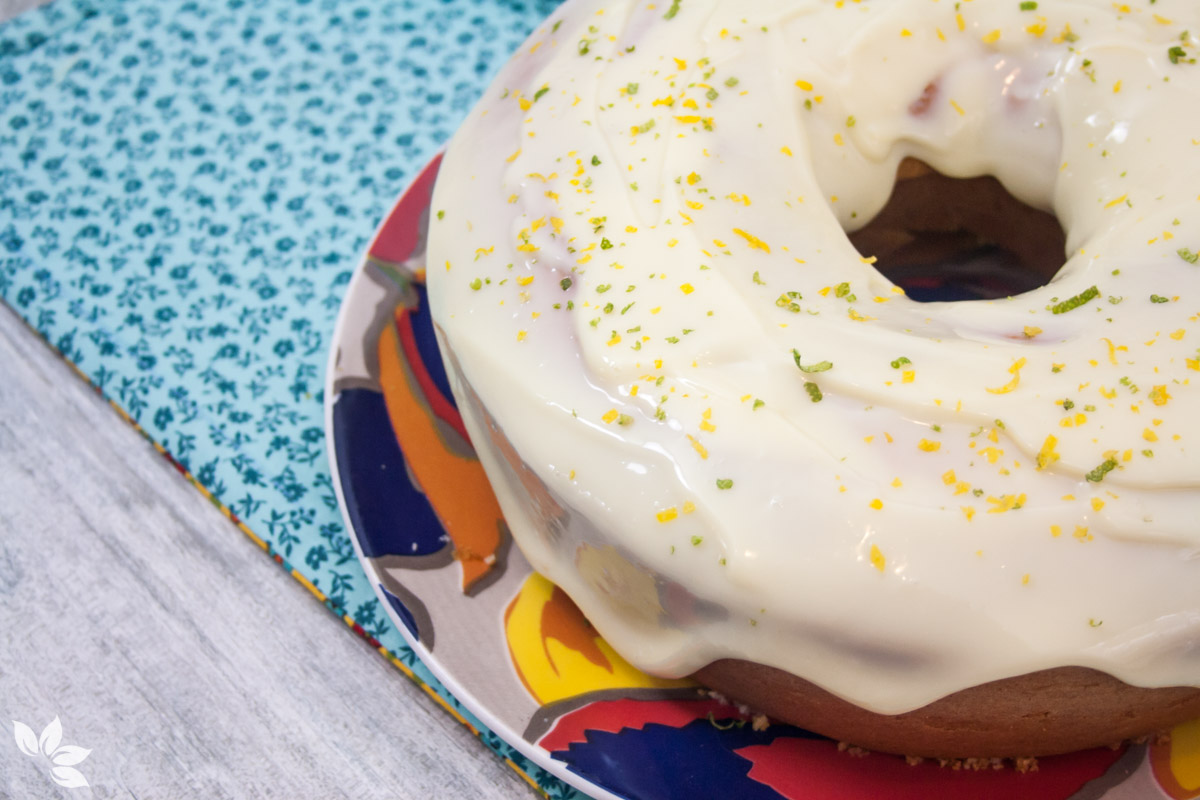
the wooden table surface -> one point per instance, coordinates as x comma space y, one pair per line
169, 644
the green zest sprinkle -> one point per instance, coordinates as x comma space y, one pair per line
565, 283
759, 280
1157, 298
820, 366
631, 89
1179, 56
476, 284
900, 362
441, 214
1071, 303
602, 288
814, 392
841, 290
731, 81
1095, 623
595, 161
711, 94
758, 404
538, 94
646, 126
556, 24
1068, 405
1029, 5
850, 121
584, 46
673, 10
1097, 475
696, 540
724, 483
624, 419
605, 244
1184, 253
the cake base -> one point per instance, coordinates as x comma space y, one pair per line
1040, 714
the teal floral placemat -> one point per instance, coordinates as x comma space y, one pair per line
185, 189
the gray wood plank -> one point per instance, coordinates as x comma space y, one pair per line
167, 642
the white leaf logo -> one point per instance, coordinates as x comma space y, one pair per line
68, 777
25, 738
63, 759
51, 736
69, 755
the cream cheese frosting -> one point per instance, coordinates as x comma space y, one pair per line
726, 434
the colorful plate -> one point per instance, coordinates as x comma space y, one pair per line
514, 650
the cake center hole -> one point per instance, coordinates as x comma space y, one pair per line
946, 239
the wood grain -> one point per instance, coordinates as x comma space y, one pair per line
167, 642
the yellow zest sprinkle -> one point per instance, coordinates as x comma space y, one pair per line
524, 280
941, 36
837, 139
1116, 87
513, 157
1015, 371
688, 119
994, 36
1159, 395
969, 511
667, 514
929, 446
754, 242
876, 504
787, 151
686, 288
1097, 504
693, 179
948, 477
897, 483
1025, 579
1056, 530
905, 33
524, 103
680, 64
699, 448
1005, 502
1116, 202
954, 104
1047, 456
616, 339
1081, 533
804, 85
1149, 435
1036, 29
689, 507
521, 335
610, 416
877, 559
908, 376
962, 23
707, 426
1031, 331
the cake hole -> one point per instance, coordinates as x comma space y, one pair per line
947, 239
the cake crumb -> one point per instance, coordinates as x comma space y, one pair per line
852, 750
760, 722
1024, 765
914, 760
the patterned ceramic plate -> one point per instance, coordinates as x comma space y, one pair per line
515, 650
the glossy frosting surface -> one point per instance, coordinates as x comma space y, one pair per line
737, 438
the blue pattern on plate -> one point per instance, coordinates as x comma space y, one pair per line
185, 189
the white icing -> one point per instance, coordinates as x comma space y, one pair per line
1075, 106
